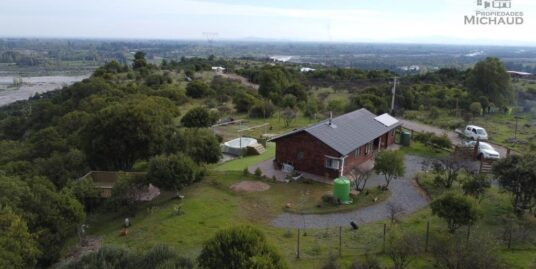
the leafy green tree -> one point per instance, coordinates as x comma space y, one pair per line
51, 215
476, 186
127, 191
517, 175
244, 101
18, 248
240, 247
46, 141
390, 164
198, 117
289, 100
288, 116
297, 90
273, 80
202, 145
120, 134
371, 102
61, 168
139, 60
262, 110
489, 78
457, 210
336, 106
173, 172
311, 108
480, 251
403, 248
198, 89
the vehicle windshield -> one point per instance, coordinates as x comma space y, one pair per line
486, 146
481, 132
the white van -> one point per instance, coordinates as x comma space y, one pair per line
475, 132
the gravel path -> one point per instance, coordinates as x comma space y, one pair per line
404, 193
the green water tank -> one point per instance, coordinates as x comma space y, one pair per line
341, 190
405, 138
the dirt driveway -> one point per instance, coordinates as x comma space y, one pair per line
454, 137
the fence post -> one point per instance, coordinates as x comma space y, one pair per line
427, 236
340, 241
384, 232
298, 247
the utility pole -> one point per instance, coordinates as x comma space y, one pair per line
395, 81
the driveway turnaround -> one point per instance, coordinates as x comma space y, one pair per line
404, 193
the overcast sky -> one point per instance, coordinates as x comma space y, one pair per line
427, 21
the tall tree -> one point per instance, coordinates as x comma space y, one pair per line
18, 248
517, 174
139, 60
172, 172
198, 117
489, 78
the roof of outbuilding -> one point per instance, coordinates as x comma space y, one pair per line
347, 132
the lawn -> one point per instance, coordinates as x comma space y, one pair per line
210, 206
419, 149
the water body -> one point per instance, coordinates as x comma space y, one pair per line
33, 85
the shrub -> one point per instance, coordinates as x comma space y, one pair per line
434, 113
258, 172
240, 247
476, 108
456, 210
262, 110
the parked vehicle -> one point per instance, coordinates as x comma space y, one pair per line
474, 132
485, 150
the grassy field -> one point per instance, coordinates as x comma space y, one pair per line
211, 205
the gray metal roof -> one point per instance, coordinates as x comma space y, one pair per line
347, 132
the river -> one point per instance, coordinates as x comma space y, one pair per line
32, 85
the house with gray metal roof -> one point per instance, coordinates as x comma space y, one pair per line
334, 146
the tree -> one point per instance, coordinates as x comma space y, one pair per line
244, 101
289, 100
240, 247
273, 80
202, 146
18, 248
476, 186
517, 175
456, 210
447, 169
139, 60
264, 110
198, 117
489, 78
127, 192
52, 216
288, 116
198, 89
311, 108
360, 176
476, 109
390, 164
297, 90
172, 172
120, 134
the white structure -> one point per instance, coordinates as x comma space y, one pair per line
307, 69
218, 69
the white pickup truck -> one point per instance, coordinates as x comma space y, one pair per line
473, 132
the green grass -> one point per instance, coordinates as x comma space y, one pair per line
362, 200
210, 205
241, 163
419, 149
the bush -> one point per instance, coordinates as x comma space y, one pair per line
434, 113
242, 247
258, 172
329, 198
262, 110
431, 139
198, 89
198, 117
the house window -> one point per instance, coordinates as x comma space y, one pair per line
357, 152
368, 148
300, 155
333, 163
